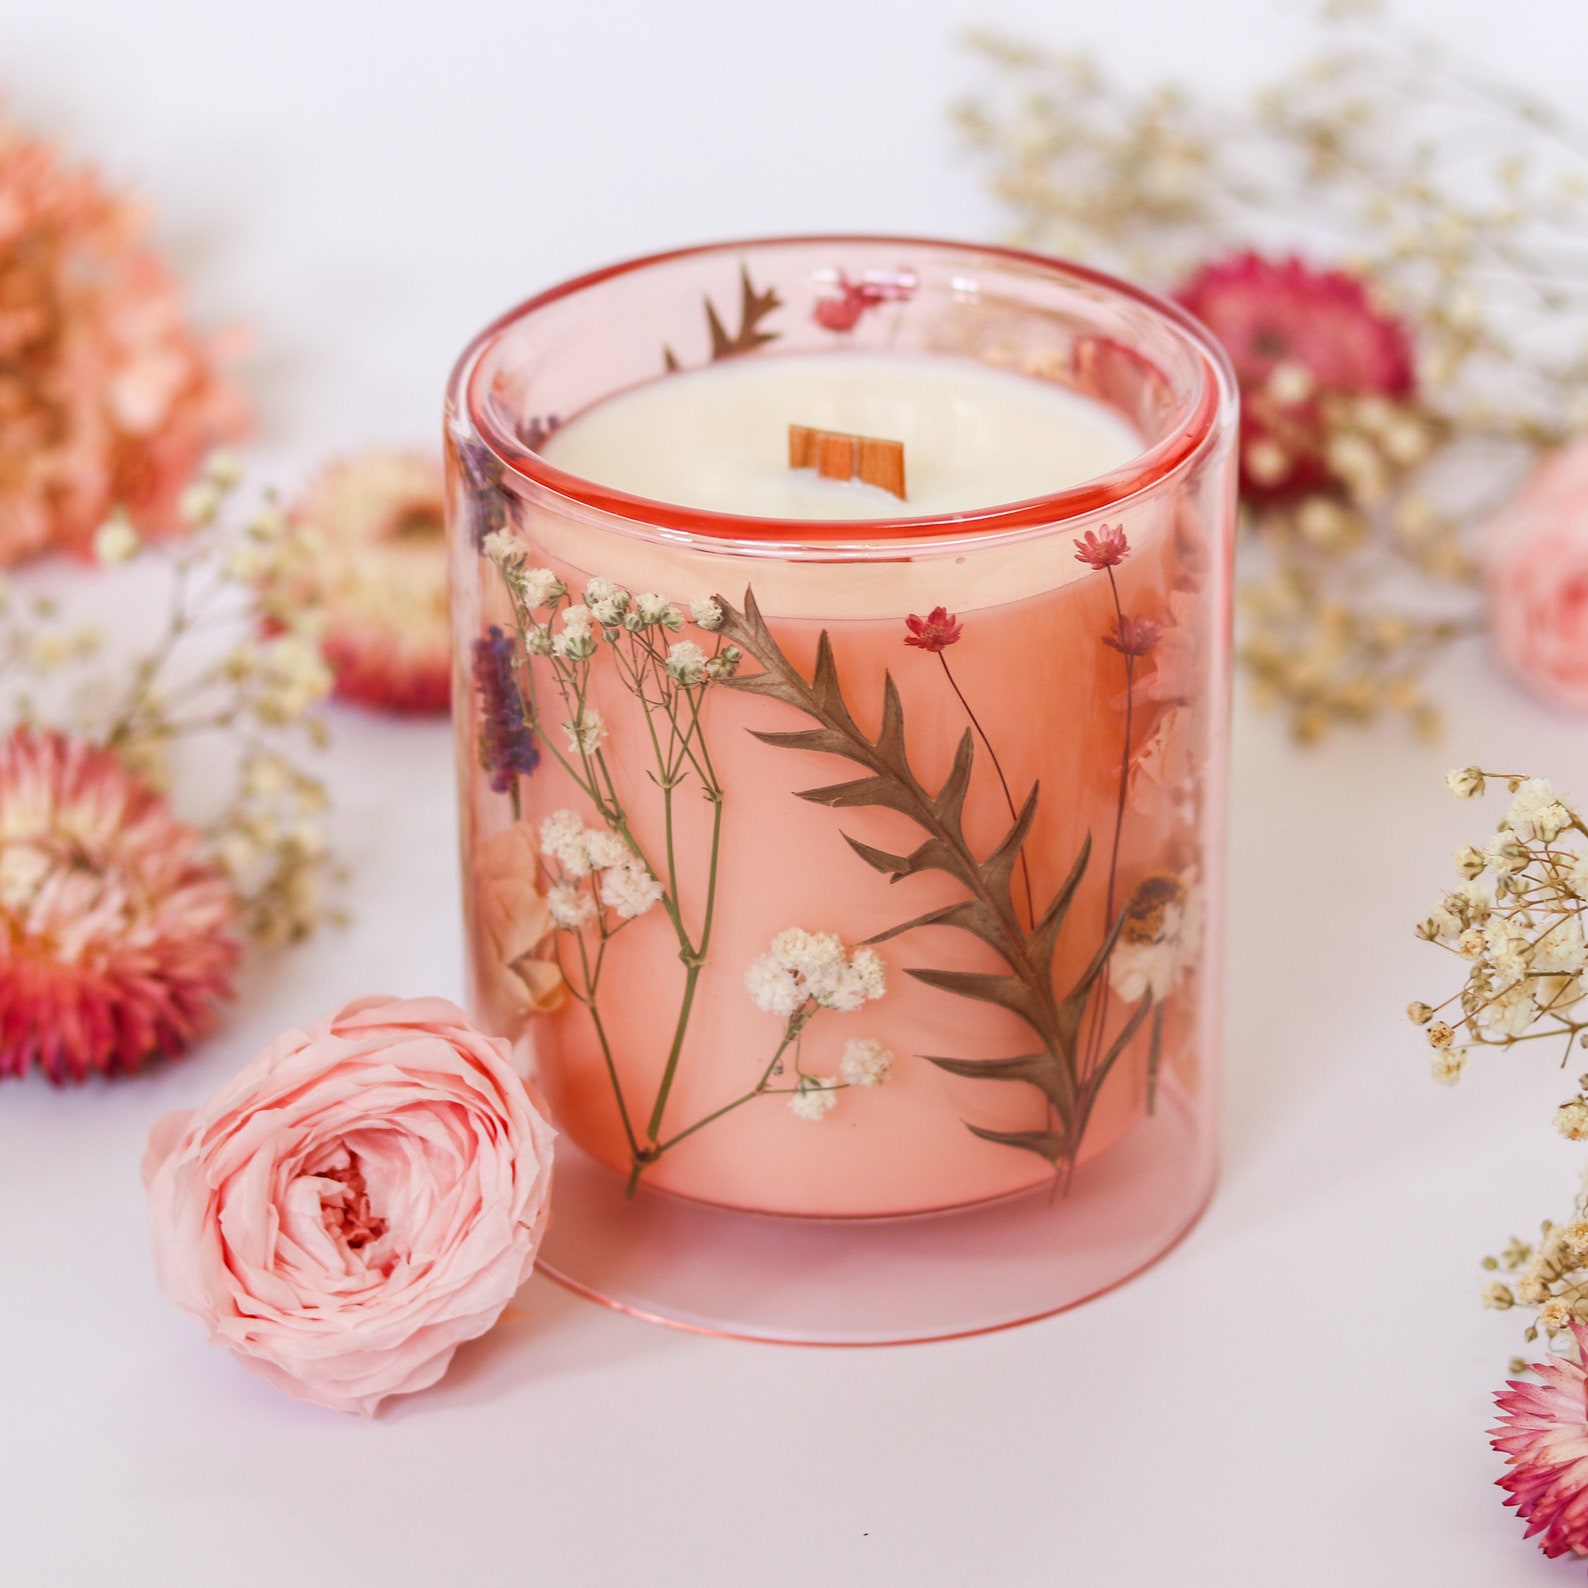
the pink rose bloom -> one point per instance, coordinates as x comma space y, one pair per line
1538, 579
364, 1196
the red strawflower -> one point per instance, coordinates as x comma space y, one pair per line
1134, 636
1543, 1434
1296, 336
1107, 550
935, 632
116, 932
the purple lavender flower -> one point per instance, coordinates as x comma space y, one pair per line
507, 743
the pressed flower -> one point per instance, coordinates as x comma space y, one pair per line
1107, 550
1543, 1434
1160, 937
564, 838
587, 732
118, 933
1134, 636
506, 744
935, 632
629, 888
706, 614
570, 906
1537, 812
686, 662
865, 1063
842, 310
812, 1099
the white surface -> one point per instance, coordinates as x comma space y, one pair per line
1297, 1397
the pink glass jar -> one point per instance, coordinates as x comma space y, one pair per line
913, 947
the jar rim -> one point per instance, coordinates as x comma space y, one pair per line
1198, 420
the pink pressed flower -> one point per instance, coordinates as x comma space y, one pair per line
115, 933
1315, 332
843, 312
381, 575
1537, 556
1134, 636
935, 632
107, 397
1543, 1434
1107, 550
364, 1196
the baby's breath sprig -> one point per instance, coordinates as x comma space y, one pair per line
231, 671
1366, 157
1516, 921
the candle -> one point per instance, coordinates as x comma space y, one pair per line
716, 438
878, 836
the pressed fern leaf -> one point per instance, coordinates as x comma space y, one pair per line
988, 914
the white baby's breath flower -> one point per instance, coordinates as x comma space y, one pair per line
629, 888
1465, 781
865, 1063
812, 1099
199, 503
1474, 901
686, 662
1560, 948
798, 950
502, 546
576, 638
706, 613
1509, 948
607, 601
564, 838
1447, 1065
588, 734
772, 987
538, 641
1571, 1120
1470, 861
1577, 877
116, 541
1506, 855
724, 664
1537, 812
541, 587
605, 849
656, 611
570, 906
1512, 1012
872, 972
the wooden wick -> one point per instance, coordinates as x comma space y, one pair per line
837, 455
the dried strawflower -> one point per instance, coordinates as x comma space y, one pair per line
372, 526
935, 632
108, 398
1543, 1434
119, 932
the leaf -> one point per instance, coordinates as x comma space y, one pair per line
1039, 1069
1044, 936
753, 309
1008, 992
969, 915
1051, 1145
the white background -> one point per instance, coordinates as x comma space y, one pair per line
1298, 1396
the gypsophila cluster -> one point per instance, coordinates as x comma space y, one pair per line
1546, 1280
234, 672
1450, 206
813, 968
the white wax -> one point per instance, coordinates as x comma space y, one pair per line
717, 438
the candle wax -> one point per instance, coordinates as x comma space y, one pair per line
717, 438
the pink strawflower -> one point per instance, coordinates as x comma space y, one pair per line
116, 933
1134, 636
1543, 1434
1537, 557
935, 632
107, 396
1296, 336
381, 573
1107, 550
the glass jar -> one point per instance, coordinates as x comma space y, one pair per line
850, 889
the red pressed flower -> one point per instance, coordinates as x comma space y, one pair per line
1107, 550
935, 632
855, 297
1543, 1435
1296, 335
1134, 636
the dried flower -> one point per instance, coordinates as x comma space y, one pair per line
841, 311
378, 570
1465, 782
865, 1063
935, 632
1133, 636
812, 1099
1571, 1119
1160, 938
119, 934
629, 888
812, 968
706, 614
109, 399
686, 662
1543, 1433
1107, 550
587, 732
571, 907
506, 744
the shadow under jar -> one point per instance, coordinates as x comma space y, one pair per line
846, 867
